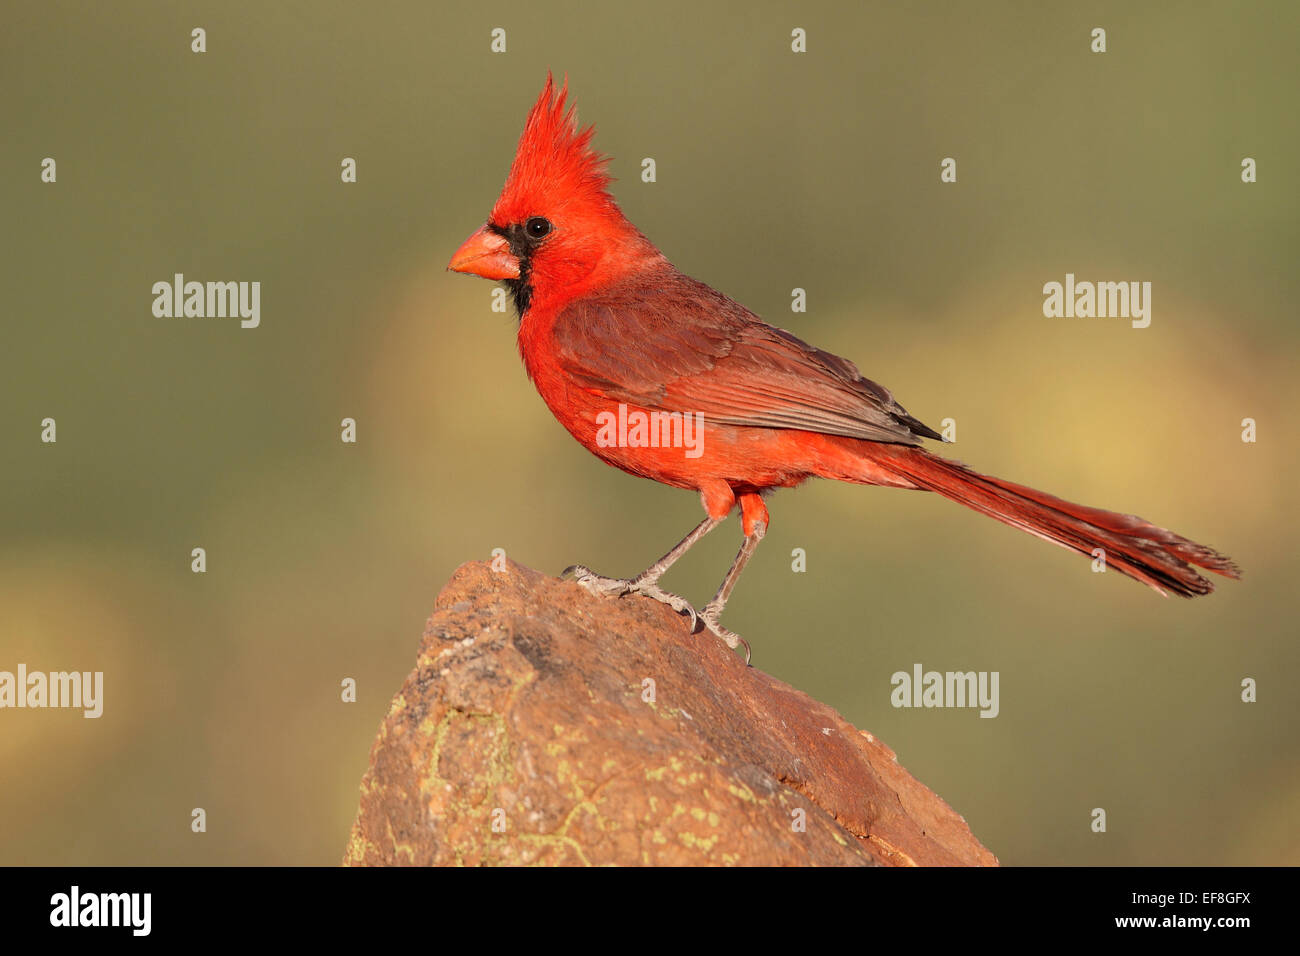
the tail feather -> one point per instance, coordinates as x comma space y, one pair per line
1134, 547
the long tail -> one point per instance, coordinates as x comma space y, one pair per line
1132, 546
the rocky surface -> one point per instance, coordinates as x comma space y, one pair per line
546, 725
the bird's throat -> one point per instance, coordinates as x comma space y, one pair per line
521, 289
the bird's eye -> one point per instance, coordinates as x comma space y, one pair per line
538, 228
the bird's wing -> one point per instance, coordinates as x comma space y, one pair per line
677, 345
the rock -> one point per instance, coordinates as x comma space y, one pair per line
545, 725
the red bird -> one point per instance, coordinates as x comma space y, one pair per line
610, 332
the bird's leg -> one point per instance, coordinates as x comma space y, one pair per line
754, 520
710, 613
647, 582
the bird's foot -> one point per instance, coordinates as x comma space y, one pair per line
709, 617
599, 584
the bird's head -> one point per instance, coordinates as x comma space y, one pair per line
555, 229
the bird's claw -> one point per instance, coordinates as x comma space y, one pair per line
674, 601
618, 587
596, 583
709, 616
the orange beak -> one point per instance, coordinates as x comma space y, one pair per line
485, 254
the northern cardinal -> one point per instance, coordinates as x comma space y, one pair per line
605, 320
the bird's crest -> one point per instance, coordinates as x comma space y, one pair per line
555, 164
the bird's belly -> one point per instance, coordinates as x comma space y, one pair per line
684, 451
678, 449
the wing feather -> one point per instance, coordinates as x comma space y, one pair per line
674, 344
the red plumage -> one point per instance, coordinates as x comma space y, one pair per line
606, 320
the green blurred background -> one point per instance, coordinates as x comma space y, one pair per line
775, 170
